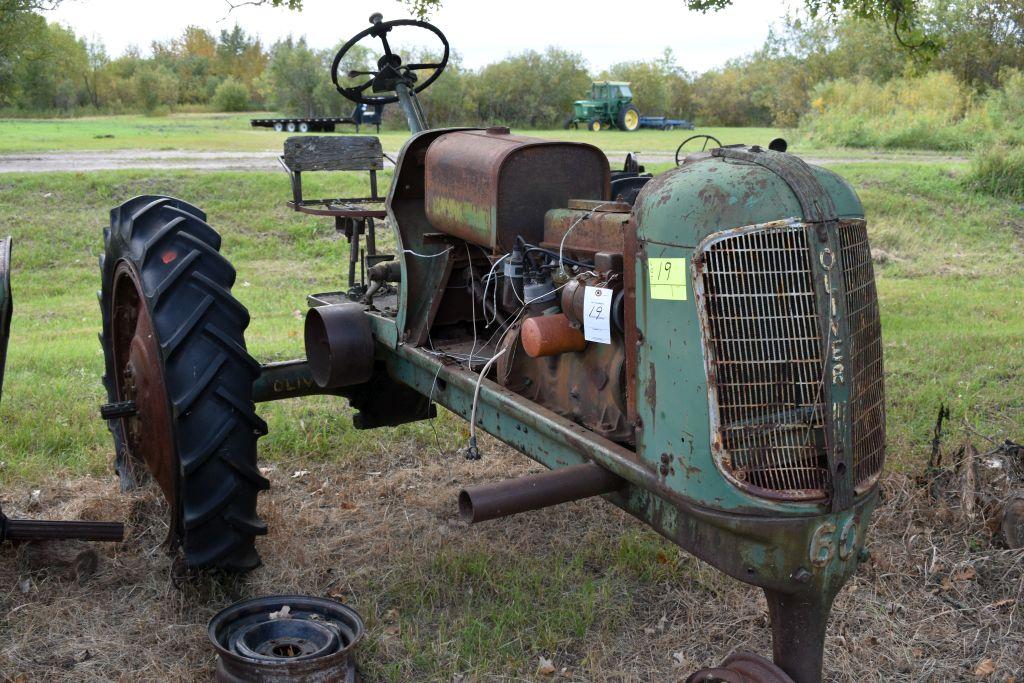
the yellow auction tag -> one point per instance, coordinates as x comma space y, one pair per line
668, 278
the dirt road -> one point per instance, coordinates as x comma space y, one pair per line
38, 162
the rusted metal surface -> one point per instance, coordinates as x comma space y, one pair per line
759, 317
339, 345
572, 409
35, 529
340, 207
599, 205
573, 296
286, 639
536, 491
588, 388
287, 379
6, 304
799, 622
551, 335
805, 558
422, 278
45, 530
742, 667
590, 231
865, 368
630, 331
489, 187
1013, 520
752, 545
821, 217
139, 377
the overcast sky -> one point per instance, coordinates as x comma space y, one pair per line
604, 32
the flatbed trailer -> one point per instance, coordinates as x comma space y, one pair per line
363, 114
663, 123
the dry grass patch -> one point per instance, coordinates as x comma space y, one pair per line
583, 585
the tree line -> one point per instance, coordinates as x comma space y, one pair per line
806, 68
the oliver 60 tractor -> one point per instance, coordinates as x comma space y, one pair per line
708, 357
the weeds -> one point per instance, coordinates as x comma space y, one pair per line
934, 111
998, 171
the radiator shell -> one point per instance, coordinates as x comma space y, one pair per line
676, 403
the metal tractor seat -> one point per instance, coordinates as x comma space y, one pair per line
353, 216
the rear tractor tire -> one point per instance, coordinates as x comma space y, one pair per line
174, 347
628, 118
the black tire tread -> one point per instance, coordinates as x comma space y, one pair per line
620, 119
209, 374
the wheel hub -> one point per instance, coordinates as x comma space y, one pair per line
286, 638
149, 433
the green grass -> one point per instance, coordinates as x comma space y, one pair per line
999, 171
232, 132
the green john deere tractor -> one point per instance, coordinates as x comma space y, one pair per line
610, 104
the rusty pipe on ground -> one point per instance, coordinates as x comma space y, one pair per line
44, 530
535, 491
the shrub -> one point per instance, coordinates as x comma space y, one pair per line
231, 95
998, 171
154, 88
908, 113
1000, 117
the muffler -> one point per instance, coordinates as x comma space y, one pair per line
536, 491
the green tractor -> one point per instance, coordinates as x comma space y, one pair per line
610, 104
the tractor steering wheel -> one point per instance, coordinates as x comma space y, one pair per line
701, 141
390, 69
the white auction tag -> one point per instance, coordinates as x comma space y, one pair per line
597, 310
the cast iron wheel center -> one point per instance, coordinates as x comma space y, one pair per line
286, 638
139, 377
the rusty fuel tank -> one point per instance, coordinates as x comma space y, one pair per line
488, 186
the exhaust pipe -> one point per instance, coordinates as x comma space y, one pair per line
535, 491
339, 345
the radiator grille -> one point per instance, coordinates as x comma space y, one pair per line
764, 343
868, 400
764, 336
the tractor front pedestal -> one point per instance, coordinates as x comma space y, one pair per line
798, 632
798, 640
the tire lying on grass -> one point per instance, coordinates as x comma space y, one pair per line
173, 342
